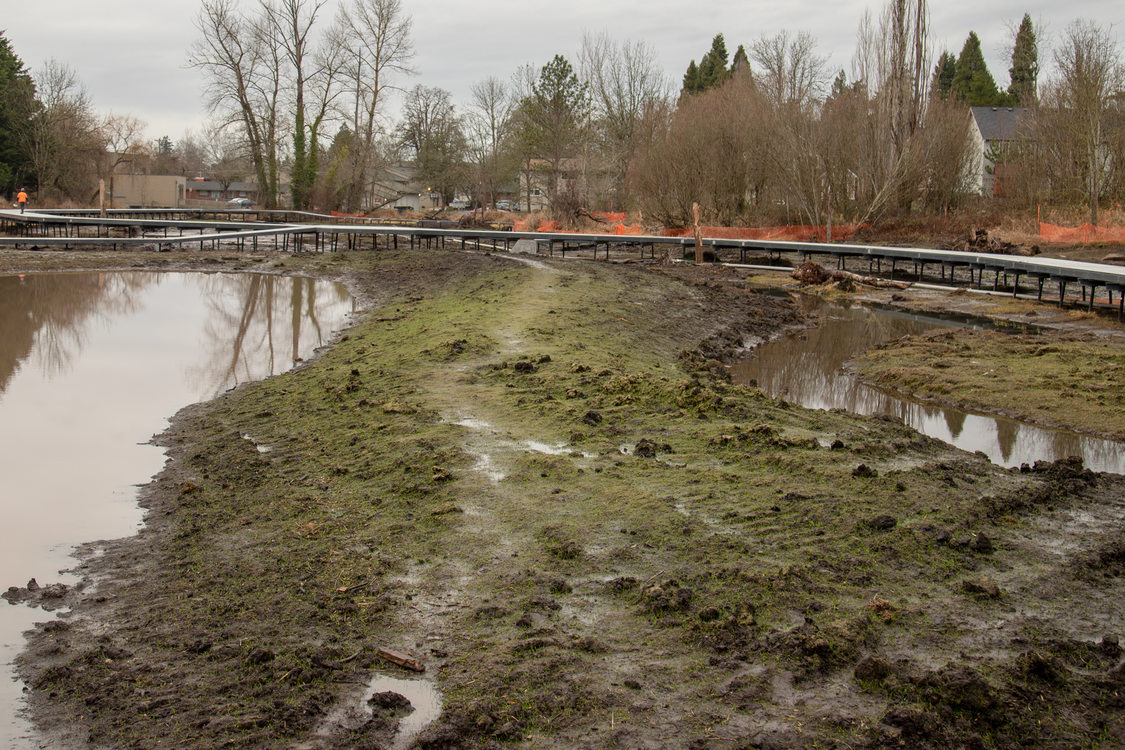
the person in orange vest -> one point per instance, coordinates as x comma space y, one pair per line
21, 198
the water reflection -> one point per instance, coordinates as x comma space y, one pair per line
91, 366
809, 369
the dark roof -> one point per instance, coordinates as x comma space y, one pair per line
1000, 123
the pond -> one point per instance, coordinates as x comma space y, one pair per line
809, 368
92, 365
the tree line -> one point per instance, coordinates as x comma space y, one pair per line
51, 139
302, 103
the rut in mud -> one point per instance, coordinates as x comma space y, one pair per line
538, 481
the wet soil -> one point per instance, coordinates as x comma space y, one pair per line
536, 479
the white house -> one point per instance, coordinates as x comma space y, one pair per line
993, 131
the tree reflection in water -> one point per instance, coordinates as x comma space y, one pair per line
258, 325
47, 313
258, 319
810, 369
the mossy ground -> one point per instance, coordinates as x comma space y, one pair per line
528, 475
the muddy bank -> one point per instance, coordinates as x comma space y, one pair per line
536, 480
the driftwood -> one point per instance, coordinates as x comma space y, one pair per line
874, 281
409, 662
814, 273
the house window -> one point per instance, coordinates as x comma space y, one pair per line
536, 192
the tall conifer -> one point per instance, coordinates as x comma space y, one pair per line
1024, 72
971, 80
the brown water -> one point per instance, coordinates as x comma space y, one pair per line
809, 369
91, 367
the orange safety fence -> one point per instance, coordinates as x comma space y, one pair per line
1083, 233
797, 233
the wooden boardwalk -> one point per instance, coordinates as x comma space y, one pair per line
290, 231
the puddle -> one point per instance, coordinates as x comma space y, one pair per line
808, 368
147, 344
558, 449
486, 466
484, 461
473, 424
425, 700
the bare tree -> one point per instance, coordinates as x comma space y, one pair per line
626, 82
377, 36
64, 141
289, 24
712, 151
243, 68
125, 143
488, 128
789, 72
1085, 89
891, 69
431, 130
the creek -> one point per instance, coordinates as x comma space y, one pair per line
809, 369
92, 365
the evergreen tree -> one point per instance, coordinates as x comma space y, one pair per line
713, 68
944, 72
741, 62
554, 118
972, 82
692, 84
18, 107
839, 85
1024, 72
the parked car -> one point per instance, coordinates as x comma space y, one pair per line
459, 205
240, 203
507, 206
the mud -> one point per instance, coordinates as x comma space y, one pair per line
749, 574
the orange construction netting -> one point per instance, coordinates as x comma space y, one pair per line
796, 233
800, 233
1083, 233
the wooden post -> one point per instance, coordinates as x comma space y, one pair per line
698, 234
101, 198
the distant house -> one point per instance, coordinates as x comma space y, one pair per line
535, 182
994, 132
201, 190
396, 185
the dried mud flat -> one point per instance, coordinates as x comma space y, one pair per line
535, 479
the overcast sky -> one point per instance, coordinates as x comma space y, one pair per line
131, 53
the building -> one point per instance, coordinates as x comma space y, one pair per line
204, 193
993, 132
396, 186
149, 191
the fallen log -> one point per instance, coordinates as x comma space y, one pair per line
874, 281
814, 273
